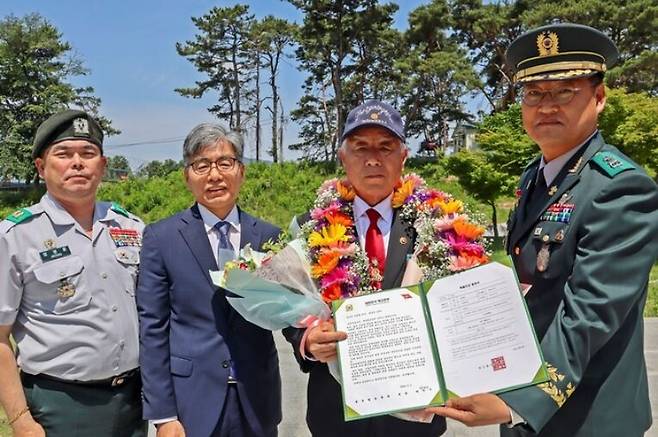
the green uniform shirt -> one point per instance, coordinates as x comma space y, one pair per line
587, 248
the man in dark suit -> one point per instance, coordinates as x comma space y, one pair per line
373, 155
585, 236
205, 370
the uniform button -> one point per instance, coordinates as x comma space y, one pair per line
61, 274
225, 364
122, 343
115, 308
545, 238
517, 250
104, 275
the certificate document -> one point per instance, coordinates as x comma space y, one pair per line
412, 347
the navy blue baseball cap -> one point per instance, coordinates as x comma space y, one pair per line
374, 113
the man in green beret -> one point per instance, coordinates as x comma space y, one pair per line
68, 268
584, 236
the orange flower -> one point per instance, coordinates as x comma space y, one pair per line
451, 207
327, 261
339, 218
467, 230
345, 191
401, 193
331, 293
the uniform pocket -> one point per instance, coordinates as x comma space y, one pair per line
58, 288
128, 258
548, 237
180, 366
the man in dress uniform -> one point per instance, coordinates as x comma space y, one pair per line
373, 153
68, 267
584, 235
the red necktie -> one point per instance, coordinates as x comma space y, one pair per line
375, 243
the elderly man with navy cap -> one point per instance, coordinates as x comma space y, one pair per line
584, 236
68, 268
373, 153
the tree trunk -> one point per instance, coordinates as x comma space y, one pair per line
257, 105
281, 133
236, 84
494, 219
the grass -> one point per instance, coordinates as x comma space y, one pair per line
651, 310
5, 429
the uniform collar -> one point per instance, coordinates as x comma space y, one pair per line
55, 211
553, 168
384, 208
210, 219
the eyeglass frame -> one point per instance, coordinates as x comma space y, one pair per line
214, 163
551, 92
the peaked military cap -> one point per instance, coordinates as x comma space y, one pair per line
560, 51
374, 113
70, 124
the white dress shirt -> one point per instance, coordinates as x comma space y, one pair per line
209, 222
553, 168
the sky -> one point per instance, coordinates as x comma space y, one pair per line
129, 48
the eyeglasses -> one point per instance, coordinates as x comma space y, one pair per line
559, 96
203, 166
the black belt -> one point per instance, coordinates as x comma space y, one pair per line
113, 381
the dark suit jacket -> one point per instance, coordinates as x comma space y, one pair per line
587, 304
189, 332
324, 414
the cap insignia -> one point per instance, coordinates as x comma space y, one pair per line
547, 43
374, 116
80, 126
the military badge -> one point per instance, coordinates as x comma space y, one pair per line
65, 289
374, 116
543, 257
125, 237
552, 190
576, 166
80, 127
403, 240
49, 243
547, 44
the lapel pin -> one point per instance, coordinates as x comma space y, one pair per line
403, 240
552, 190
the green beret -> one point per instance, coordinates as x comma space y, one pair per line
70, 124
560, 51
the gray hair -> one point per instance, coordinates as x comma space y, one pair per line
209, 134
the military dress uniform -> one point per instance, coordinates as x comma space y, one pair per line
586, 242
71, 300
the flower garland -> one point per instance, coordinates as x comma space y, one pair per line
447, 241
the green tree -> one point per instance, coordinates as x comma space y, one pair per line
486, 29
331, 38
159, 168
437, 75
221, 50
36, 66
631, 24
273, 37
630, 122
118, 167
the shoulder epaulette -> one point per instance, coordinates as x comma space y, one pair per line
19, 215
611, 163
119, 209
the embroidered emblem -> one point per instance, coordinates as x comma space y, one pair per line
551, 389
547, 44
80, 126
